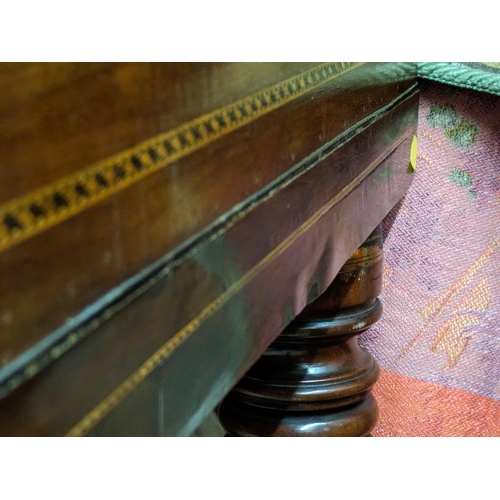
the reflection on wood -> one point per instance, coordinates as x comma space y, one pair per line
315, 380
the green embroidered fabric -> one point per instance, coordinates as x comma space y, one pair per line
482, 76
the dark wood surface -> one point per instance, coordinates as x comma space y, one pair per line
314, 380
158, 235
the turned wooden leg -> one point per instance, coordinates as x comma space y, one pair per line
314, 379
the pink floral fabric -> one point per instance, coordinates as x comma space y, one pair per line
439, 336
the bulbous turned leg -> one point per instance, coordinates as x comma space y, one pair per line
314, 379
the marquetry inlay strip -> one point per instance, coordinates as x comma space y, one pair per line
30, 214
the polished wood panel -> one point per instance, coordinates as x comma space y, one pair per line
221, 350
103, 311
58, 113
173, 209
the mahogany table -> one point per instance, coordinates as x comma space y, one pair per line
177, 235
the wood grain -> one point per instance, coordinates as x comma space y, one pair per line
110, 305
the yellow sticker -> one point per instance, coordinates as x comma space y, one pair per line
413, 156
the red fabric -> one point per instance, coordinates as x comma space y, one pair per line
410, 407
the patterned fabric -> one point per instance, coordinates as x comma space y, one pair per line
484, 76
438, 342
